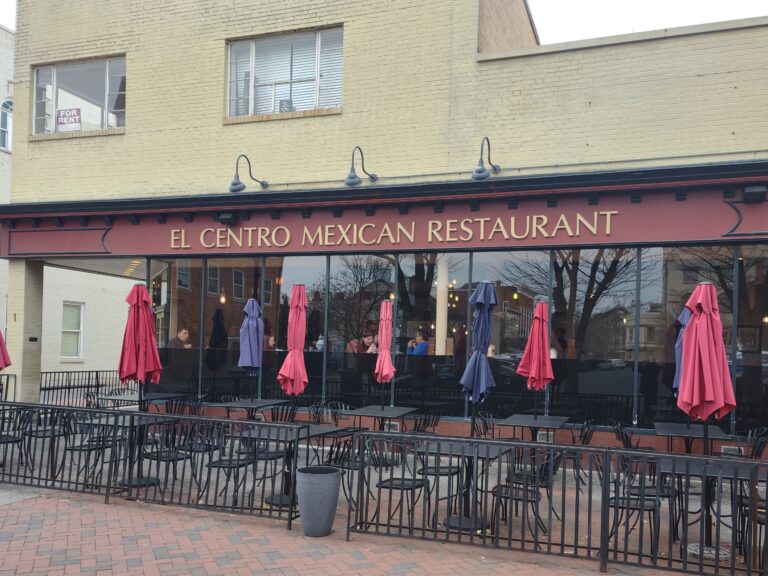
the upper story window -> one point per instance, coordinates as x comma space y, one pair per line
6, 124
72, 330
80, 96
286, 73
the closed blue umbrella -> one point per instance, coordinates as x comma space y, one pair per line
477, 379
251, 339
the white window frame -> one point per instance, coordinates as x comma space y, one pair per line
80, 343
266, 298
216, 277
6, 111
106, 110
252, 76
185, 265
236, 286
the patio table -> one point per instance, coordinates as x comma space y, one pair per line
287, 497
250, 406
133, 398
688, 432
381, 414
485, 453
533, 423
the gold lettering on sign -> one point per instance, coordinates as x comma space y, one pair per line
433, 230
179, 239
495, 231
203, 238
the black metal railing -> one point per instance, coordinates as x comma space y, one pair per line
670, 512
73, 388
7, 387
227, 465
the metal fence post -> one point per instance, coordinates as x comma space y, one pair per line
604, 511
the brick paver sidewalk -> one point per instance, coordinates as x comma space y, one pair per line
53, 533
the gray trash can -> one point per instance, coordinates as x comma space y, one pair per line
317, 490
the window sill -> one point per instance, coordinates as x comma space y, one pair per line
6, 150
71, 360
81, 134
229, 120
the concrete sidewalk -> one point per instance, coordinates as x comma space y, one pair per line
51, 532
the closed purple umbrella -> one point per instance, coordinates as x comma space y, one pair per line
477, 379
251, 339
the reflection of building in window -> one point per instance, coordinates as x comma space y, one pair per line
213, 279
72, 330
690, 275
6, 125
608, 335
182, 273
267, 296
286, 73
86, 95
238, 284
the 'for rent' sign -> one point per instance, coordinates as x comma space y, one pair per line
68, 120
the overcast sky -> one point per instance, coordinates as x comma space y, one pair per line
563, 20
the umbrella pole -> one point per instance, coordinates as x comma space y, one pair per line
381, 394
535, 405
707, 513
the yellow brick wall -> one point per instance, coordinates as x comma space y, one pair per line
417, 98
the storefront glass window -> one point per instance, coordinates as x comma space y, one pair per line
431, 300
751, 373
593, 299
176, 292
520, 279
223, 317
358, 285
669, 276
281, 274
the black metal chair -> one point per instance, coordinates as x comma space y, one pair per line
526, 478
394, 459
285, 413
14, 423
582, 437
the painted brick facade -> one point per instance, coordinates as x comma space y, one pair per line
417, 97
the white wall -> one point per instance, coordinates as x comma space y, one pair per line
6, 74
103, 319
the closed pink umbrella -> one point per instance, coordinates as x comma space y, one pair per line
536, 364
293, 374
385, 370
705, 384
5, 360
139, 358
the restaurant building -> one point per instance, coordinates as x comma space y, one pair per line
624, 170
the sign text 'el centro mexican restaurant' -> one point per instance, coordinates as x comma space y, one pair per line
531, 222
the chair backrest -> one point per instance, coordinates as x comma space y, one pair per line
586, 432
229, 398
284, 413
176, 406
91, 400
337, 410
483, 425
622, 435
322, 414
426, 422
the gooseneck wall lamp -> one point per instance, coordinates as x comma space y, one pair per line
481, 172
238, 186
352, 178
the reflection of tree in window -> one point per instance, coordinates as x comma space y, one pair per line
357, 286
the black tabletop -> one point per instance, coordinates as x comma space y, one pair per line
726, 469
377, 411
274, 432
683, 430
133, 397
549, 422
446, 447
248, 404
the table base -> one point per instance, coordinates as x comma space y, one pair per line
143, 482
280, 500
467, 523
710, 553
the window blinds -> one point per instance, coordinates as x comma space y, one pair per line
291, 72
70, 330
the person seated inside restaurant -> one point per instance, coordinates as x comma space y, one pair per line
366, 344
181, 340
418, 346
